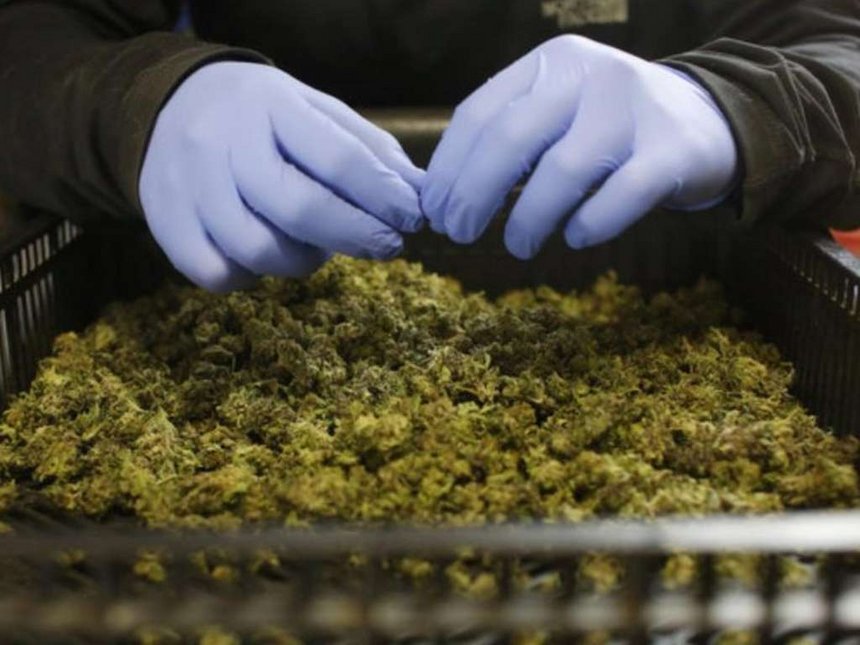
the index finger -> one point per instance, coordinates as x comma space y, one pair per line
469, 120
380, 142
338, 159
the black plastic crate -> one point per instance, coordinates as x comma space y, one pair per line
801, 290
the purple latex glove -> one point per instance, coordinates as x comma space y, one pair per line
586, 117
250, 172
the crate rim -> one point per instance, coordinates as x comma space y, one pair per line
819, 532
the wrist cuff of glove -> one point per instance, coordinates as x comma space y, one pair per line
151, 89
766, 159
706, 95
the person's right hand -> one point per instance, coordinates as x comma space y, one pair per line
249, 172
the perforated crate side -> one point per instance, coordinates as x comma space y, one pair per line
56, 277
38, 289
310, 591
802, 291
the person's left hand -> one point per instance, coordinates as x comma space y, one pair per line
584, 116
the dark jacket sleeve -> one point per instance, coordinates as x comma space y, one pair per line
81, 82
787, 74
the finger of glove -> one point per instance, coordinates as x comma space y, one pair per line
386, 148
248, 240
466, 125
344, 164
506, 150
578, 162
183, 238
638, 187
307, 211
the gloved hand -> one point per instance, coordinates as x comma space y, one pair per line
250, 172
584, 116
